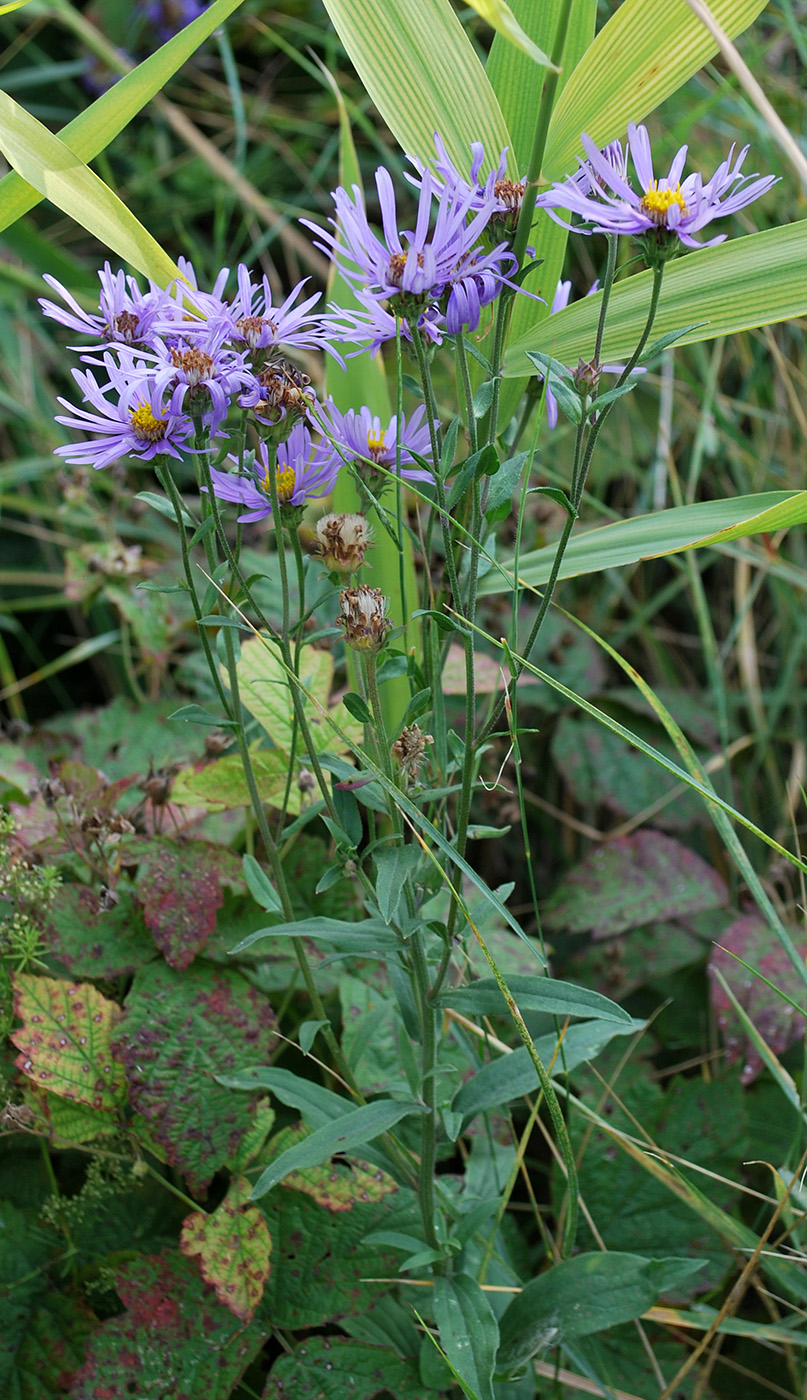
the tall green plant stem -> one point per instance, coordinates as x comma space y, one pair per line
169, 486
584, 451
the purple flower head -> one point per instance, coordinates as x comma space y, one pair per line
189, 306
252, 320
131, 417
664, 212
360, 436
200, 376
505, 195
170, 16
419, 266
374, 325
301, 474
127, 315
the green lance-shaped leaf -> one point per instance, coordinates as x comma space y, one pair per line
584, 1295
644, 52
498, 14
484, 998
421, 71
94, 128
469, 1333
352, 1130
746, 282
60, 176
705, 523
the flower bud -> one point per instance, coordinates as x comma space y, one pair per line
363, 616
343, 540
410, 750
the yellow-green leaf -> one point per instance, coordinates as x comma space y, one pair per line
664, 532
64, 1040
93, 129
501, 18
234, 1247
266, 692
746, 282
645, 52
420, 69
58, 173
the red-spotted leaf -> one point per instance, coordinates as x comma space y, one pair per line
52, 1349
66, 1122
177, 1033
174, 1339
779, 1024
95, 942
64, 1040
336, 1185
233, 1246
180, 889
329, 1368
633, 881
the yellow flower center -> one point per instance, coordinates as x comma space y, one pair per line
145, 425
657, 203
375, 443
285, 482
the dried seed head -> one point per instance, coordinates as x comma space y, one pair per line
343, 541
363, 616
410, 750
306, 782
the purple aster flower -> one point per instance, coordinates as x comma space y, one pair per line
374, 325
361, 436
130, 418
252, 320
664, 207
505, 195
301, 474
169, 16
127, 315
201, 375
189, 304
447, 263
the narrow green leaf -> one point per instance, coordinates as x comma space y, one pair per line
260, 886
420, 70
357, 707
163, 506
353, 1129
501, 18
93, 129
642, 54
469, 1332
370, 935
60, 176
484, 998
746, 282
316, 1104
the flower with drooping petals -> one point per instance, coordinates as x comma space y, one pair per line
373, 326
664, 211
126, 314
446, 264
505, 194
361, 437
301, 474
131, 417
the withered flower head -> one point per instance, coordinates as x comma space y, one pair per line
409, 750
363, 616
343, 541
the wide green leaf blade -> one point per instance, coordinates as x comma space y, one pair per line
93, 129
60, 176
664, 532
420, 69
518, 84
644, 53
469, 1333
484, 998
354, 1129
751, 281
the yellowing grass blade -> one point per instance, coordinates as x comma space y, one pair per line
663, 532
94, 128
644, 53
421, 71
58, 173
501, 18
746, 282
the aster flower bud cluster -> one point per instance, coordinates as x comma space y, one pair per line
363, 616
